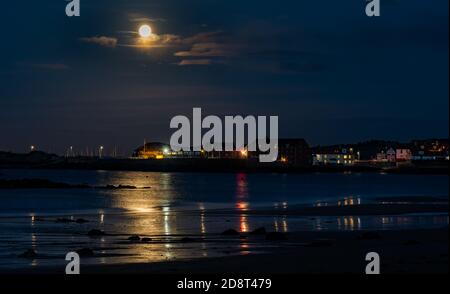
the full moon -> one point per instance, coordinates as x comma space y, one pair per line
145, 31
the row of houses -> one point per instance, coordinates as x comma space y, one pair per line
383, 153
297, 152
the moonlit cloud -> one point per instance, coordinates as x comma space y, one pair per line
206, 37
208, 50
104, 41
203, 48
208, 44
187, 62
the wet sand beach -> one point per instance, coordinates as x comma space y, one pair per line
410, 251
182, 223
265, 250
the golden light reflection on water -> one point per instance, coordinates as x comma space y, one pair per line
349, 223
285, 225
34, 242
202, 209
242, 206
148, 210
166, 213
202, 224
280, 225
152, 191
244, 247
243, 224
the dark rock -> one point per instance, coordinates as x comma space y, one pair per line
188, 240
134, 238
37, 184
30, 253
230, 232
85, 252
259, 231
320, 243
126, 187
64, 220
276, 236
81, 221
112, 187
369, 236
96, 233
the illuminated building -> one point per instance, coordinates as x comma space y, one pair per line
152, 151
156, 150
334, 156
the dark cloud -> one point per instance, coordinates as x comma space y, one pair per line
51, 66
293, 67
104, 41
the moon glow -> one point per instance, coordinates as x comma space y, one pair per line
145, 31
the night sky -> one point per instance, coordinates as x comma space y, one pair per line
329, 72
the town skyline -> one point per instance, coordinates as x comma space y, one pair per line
116, 151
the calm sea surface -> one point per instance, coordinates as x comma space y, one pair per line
173, 206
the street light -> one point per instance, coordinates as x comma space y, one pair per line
100, 152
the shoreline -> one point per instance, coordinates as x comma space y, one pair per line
212, 166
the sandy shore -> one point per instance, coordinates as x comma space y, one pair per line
410, 251
323, 251
416, 251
